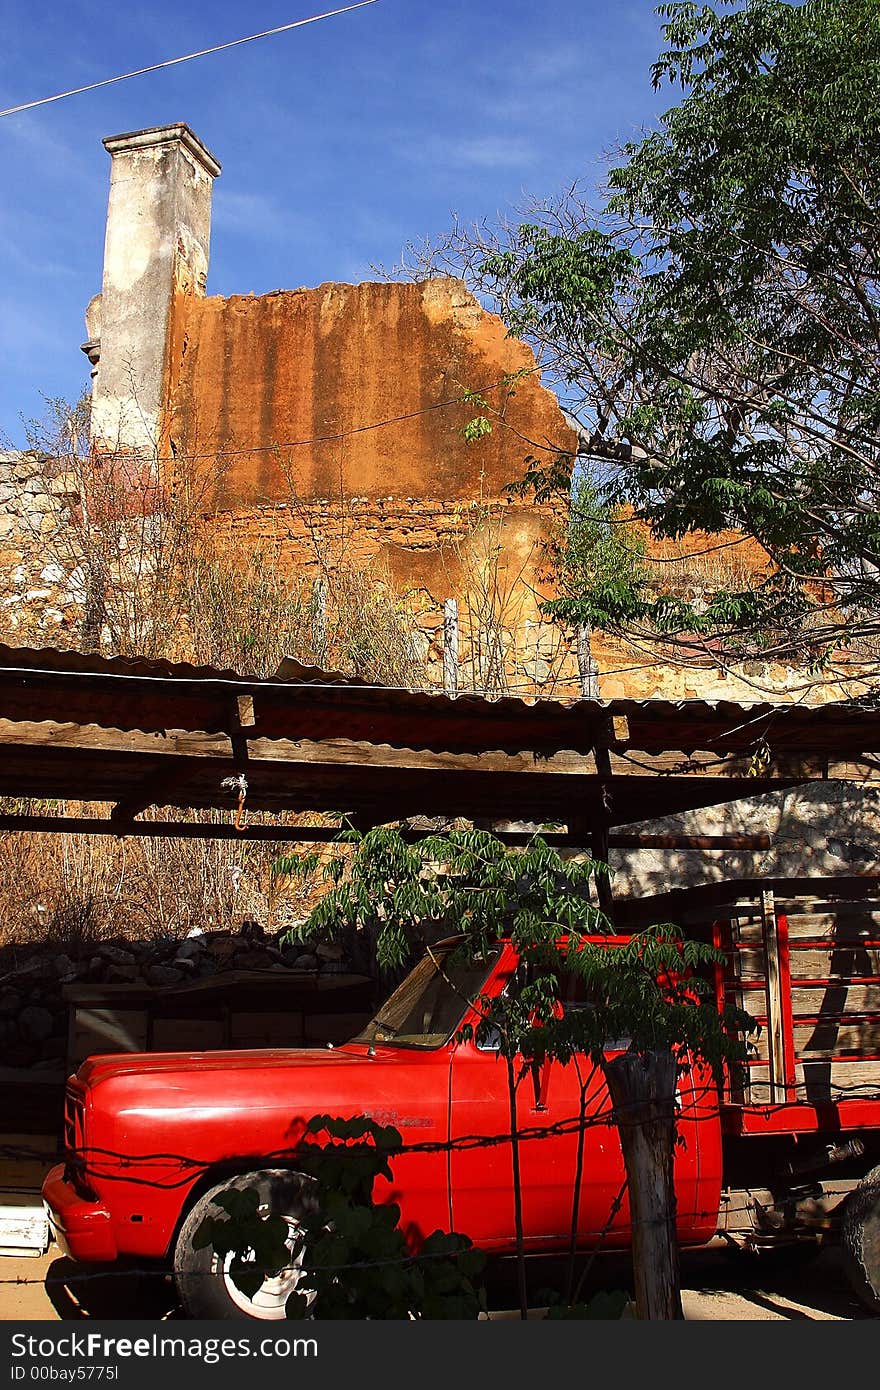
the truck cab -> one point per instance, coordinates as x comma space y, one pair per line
152, 1139
786, 1155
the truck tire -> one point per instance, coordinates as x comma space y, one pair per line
860, 1239
203, 1281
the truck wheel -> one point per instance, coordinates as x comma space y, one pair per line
860, 1239
203, 1279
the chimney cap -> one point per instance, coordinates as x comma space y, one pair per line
178, 133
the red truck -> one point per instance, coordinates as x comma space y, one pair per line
787, 1157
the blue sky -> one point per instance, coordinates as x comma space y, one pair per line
340, 142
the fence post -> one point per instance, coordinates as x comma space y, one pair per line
587, 667
319, 620
450, 646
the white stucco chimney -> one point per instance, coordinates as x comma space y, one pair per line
157, 244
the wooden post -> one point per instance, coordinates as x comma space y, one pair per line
599, 849
587, 667
773, 996
584, 833
642, 1089
602, 830
319, 620
450, 646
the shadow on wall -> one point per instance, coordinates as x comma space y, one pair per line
818, 828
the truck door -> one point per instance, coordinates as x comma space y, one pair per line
550, 1101
567, 1139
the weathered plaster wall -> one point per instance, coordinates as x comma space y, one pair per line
331, 423
352, 390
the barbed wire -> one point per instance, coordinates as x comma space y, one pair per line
608, 1115
629, 1224
697, 1218
95, 1162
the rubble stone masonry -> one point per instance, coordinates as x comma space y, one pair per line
40, 595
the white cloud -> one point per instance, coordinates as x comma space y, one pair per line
480, 151
258, 214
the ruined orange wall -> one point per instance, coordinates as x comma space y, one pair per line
331, 426
292, 388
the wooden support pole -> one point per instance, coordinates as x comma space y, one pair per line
160, 784
774, 997
710, 842
600, 846
601, 828
204, 830
119, 824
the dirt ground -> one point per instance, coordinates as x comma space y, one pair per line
717, 1287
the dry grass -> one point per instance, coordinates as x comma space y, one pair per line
504, 643
703, 570
72, 890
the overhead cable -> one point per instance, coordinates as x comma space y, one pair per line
185, 58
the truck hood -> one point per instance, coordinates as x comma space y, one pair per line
165, 1064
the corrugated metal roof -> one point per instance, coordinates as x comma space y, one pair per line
86, 728
307, 703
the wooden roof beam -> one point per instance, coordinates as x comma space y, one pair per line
323, 834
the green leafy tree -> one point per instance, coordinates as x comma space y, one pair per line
715, 325
647, 989
598, 556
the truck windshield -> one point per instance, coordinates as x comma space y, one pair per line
426, 1009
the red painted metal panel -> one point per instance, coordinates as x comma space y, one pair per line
833, 1117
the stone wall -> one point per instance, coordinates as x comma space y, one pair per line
36, 980
491, 558
40, 594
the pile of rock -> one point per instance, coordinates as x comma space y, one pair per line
34, 1012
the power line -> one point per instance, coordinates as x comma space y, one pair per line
172, 62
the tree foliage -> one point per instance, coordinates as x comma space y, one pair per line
355, 1261
647, 989
598, 557
716, 323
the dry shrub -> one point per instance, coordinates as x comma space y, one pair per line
133, 529
75, 890
248, 612
62, 889
694, 570
497, 605
369, 630
245, 613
